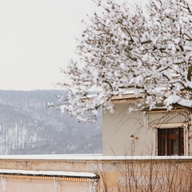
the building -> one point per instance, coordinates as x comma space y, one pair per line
156, 132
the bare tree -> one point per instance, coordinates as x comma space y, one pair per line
129, 48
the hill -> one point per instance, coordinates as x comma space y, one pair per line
27, 126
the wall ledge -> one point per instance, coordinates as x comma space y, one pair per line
76, 157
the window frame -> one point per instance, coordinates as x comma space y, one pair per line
155, 140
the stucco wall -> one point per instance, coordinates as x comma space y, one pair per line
117, 129
121, 125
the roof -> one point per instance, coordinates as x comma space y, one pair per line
134, 97
127, 98
62, 175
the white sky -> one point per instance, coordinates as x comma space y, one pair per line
37, 38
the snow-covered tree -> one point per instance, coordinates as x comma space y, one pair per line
131, 48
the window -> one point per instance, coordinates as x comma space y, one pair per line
170, 139
170, 142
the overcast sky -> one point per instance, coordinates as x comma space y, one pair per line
37, 38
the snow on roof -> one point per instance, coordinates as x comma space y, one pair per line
49, 173
127, 95
85, 157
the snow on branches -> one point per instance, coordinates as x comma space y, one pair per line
129, 47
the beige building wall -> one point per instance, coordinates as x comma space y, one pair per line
134, 133
118, 129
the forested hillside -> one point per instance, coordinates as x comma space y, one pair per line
27, 126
